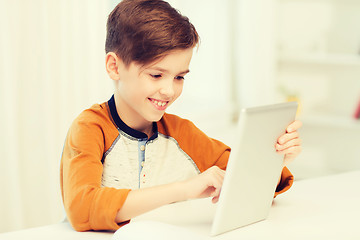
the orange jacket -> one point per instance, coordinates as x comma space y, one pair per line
102, 162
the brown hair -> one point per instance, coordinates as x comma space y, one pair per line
145, 30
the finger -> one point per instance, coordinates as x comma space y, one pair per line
217, 184
215, 199
294, 126
293, 142
215, 179
293, 151
287, 137
216, 193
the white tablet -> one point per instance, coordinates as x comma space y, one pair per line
254, 167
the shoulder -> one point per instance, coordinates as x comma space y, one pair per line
171, 124
97, 113
203, 150
95, 116
93, 124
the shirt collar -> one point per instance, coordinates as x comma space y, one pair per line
125, 128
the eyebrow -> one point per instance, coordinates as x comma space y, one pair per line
166, 71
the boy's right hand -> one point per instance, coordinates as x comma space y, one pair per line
206, 184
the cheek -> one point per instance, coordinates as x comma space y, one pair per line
130, 92
146, 89
178, 89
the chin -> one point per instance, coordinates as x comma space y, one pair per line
155, 118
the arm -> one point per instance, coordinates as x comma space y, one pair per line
88, 206
92, 207
289, 145
206, 184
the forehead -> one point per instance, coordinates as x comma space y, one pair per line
175, 61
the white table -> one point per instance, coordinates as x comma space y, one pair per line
320, 208
58, 231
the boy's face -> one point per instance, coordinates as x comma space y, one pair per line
144, 92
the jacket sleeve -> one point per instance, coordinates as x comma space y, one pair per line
203, 150
88, 205
285, 183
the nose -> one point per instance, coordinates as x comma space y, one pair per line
167, 88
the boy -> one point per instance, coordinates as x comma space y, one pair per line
127, 156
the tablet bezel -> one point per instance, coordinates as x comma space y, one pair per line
253, 168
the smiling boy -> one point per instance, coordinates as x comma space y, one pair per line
143, 92
127, 156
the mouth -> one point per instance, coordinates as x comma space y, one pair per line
159, 104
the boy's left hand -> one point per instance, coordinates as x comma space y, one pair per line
289, 143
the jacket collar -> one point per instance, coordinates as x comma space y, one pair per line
125, 128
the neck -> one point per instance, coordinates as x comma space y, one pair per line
131, 118
149, 131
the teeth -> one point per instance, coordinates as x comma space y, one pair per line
159, 103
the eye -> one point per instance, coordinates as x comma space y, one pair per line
156, 76
179, 78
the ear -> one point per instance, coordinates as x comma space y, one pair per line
112, 63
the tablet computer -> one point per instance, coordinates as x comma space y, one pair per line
254, 167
